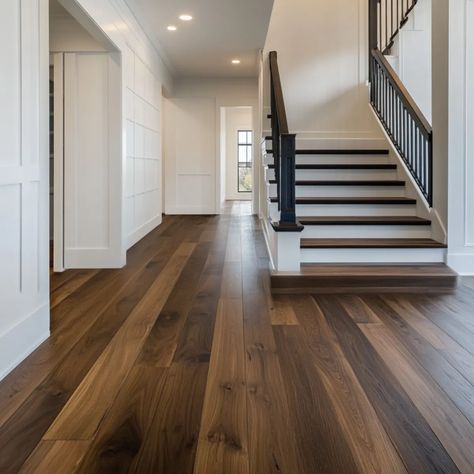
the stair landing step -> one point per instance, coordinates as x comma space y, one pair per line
352, 200
339, 152
343, 166
364, 220
347, 182
377, 278
371, 244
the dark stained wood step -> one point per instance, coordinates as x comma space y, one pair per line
364, 220
352, 200
339, 152
371, 244
394, 183
341, 278
343, 166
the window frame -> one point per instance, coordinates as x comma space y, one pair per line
249, 163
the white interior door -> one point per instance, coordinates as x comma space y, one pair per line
92, 161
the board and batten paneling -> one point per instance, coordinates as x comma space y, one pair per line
190, 145
143, 195
24, 193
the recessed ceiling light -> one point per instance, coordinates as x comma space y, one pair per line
236, 61
185, 17
172, 28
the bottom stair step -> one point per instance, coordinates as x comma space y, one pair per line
338, 278
371, 243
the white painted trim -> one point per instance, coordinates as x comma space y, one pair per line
145, 229
21, 340
58, 222
462, 263
268, 234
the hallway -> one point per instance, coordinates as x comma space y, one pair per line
183, 362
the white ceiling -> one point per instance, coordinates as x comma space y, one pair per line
220, 31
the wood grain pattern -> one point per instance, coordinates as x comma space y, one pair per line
81, 416
184, 362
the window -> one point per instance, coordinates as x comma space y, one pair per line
244, 161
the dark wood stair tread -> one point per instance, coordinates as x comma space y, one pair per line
343, 166
370, 243
352, 200
339, 152
364, 220
393, 183
343, 278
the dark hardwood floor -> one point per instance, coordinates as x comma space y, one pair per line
183, 362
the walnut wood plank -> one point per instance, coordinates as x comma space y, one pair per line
371, 446
446, 376
125, 427
320, 440
414, 439
222, 445
69, 287
161, 343
55, 456
446, 420
101, 383
269, 416
283, 313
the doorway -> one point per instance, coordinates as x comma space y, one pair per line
85, 143
237, 153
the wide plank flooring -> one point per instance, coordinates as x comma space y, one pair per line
183, 362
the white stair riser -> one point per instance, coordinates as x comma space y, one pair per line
337, 174
335, 159
373, 255
347, 191
348, 210
366, 231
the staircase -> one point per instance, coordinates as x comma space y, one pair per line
358, 225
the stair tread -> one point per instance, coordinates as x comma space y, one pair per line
352, 200
364, 220
347, 182
339, 270
343, 166
367, 151
370, 243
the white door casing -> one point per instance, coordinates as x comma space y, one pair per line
92, 161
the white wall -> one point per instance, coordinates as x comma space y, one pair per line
322, 53
237, 118
192, 141
413, 52
461, 136
24, 180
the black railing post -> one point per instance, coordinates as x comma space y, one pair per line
275, 140
287, 173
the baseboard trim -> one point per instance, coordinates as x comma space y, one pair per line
462, 263
145, 229
21, 340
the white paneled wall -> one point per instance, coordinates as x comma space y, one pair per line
143, 162
24, 191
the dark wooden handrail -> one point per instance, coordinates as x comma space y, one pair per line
278, 91
284, 154
406, 97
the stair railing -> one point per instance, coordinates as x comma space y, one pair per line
284, 153
405, 124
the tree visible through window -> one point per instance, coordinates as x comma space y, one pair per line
244, 161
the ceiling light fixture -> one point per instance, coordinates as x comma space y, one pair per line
236, 61
172, 28
185, 17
